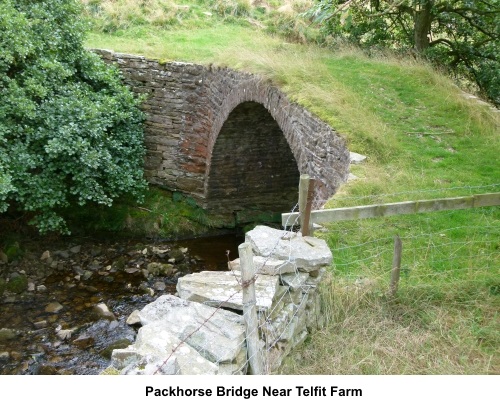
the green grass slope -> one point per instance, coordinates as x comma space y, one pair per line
423, 138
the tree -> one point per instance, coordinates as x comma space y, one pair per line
70, 131
460, 34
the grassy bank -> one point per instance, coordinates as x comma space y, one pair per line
423, 139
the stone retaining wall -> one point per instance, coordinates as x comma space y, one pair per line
201, 330
230, 139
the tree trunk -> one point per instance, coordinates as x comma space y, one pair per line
422, 20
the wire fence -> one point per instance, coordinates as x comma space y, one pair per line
278, 328
340, 200
432, 249
460, 248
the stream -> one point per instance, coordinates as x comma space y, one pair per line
74, 296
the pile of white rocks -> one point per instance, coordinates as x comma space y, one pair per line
201, 331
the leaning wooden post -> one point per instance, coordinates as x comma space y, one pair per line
307, 226
250, 308
306, 195
396, 266
303, 190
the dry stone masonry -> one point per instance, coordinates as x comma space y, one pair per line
230, 139
201, 331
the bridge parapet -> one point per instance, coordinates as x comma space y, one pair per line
230, 139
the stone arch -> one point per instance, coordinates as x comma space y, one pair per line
252, 171
187, 106
318, 150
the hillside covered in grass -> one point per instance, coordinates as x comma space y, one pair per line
424, 138
397, 111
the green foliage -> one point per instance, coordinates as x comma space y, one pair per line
70, 132
462, 35
17, 284
162, 214
13, 251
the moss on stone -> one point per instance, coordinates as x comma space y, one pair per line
110, 371
119, 344
17, 284
3, 285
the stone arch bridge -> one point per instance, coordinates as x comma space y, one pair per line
230, 139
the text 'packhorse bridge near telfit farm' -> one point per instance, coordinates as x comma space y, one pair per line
229, 139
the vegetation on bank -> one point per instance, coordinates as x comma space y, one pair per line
423, 139
70, 132
462, 36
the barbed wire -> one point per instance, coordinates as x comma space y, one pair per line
221, 306
428, 250
339, 198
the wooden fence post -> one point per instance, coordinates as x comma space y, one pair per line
396, 266
306, 195
303, 190
308, 229
250, 308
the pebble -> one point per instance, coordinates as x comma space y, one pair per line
113, 325
131, 270
62, 253
64, 334
103, 311
7, 334
40, 324
4, 357
160, 286
84, 341
134, 318
86, 274
53, 308
75, 249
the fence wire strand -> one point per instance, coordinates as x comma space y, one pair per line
364, 250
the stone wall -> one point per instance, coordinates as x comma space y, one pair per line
229, 139
202, 330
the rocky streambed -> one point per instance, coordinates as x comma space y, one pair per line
64, 304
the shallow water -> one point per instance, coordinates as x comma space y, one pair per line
74, 339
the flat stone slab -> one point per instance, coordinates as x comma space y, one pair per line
356, 158
266, 265
352, 177
217, 334
222, 288
307, 253
153, 349
295, 281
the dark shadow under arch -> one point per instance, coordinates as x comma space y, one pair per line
253, 172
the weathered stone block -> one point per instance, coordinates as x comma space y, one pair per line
216, 288
307, 253
266, 265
